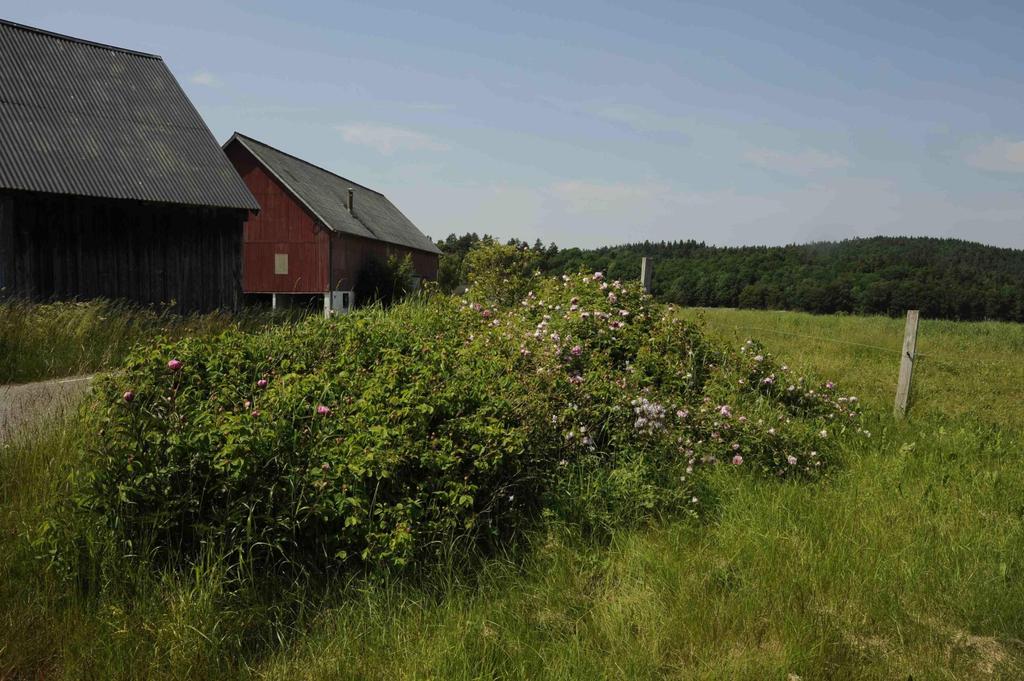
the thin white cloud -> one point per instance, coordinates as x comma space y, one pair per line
205, 78
500, 209
802, 162
585, 212
645, 120
1001, 155
584, 196
799, 162
429, 106
388, 140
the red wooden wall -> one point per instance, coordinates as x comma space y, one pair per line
282, 226
348, 253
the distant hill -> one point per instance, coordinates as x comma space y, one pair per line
944, 278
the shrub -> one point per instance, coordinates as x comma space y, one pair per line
383, 281
385, 436
499, 274
449, 272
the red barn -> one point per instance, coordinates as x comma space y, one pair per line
315, 229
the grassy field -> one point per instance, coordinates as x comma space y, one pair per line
964, 369
54, 340
908, 562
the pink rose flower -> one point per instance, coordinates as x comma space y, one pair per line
174, 364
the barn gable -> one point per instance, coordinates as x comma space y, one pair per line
325, 195
84, 119
111, 185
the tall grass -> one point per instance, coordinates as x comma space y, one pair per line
908, 562
124, 621
40, 341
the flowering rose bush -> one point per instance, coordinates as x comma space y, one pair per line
384, 436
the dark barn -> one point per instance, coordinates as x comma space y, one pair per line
316, 229
111, 185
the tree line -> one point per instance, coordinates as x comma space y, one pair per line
944, 278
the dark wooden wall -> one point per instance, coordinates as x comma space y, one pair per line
6, 244
63, 247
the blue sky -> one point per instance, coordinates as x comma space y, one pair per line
590, 123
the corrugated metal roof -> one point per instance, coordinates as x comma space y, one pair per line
81, 118
326, 196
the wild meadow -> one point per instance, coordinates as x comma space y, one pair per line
54, 340
534, 487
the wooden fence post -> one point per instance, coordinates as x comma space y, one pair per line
906, 363
646, 273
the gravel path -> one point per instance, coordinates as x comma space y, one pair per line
22, 404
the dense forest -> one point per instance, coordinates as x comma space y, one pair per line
944, 278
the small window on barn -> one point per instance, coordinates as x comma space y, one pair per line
280, 263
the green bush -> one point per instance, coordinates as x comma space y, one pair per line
499, 274
384, 281
388, 436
